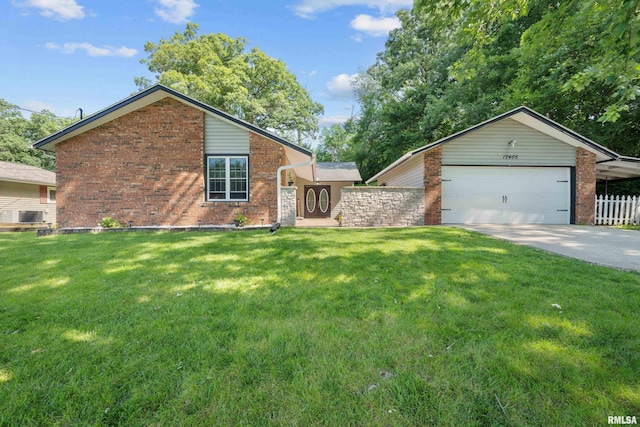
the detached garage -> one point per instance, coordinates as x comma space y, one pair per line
517, 168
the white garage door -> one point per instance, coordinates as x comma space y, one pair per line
505, 195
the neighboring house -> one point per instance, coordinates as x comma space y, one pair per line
519, 167
321, 198
27, 194
162, 158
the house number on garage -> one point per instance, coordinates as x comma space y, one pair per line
510, 157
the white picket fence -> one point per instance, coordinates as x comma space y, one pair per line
617, 210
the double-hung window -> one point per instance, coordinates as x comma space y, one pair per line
227, 178
51, 194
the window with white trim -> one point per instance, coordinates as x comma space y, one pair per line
228, 178
51, 194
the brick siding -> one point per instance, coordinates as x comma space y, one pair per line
585, 186
148, 167
433, 186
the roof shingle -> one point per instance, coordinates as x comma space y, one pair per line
337, 171
18, 172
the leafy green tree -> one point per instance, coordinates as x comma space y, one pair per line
407, 97
18, 133
612, 28
216, 69
455, 63
335, 143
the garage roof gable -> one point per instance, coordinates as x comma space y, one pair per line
534, 120
537, 121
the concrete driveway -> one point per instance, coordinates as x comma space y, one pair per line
612, 247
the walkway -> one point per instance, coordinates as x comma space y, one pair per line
316, 222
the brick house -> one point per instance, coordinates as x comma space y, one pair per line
519, 167
162, 158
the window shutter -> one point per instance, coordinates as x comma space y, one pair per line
43, 194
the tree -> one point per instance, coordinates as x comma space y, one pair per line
407, 97
215, 69
615, 42
18, 133
335, 143
455, 63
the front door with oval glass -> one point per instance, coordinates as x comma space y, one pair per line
317, 201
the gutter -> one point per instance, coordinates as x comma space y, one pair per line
279, 178
18, 181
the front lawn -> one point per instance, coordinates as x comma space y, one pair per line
421, 326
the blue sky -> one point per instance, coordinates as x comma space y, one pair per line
68, 54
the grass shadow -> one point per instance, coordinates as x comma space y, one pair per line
379, 326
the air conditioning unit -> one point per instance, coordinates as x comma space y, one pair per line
30, 216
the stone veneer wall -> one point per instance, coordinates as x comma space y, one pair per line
382, 206
288, 199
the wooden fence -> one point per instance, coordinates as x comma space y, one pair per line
617, 210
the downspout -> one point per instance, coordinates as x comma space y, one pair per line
279, 178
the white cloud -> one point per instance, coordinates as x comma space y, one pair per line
69, 48
313, 73
176, 11
376, 27
327, 121
340, 87
310, 8
63, 10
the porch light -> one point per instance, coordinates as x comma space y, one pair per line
512, 143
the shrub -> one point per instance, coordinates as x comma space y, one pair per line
240, 219
108, 222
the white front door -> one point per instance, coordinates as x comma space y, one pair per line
506, 195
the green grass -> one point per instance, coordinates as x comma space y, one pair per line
421, 326
630, 227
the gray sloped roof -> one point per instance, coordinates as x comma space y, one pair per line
18, 172
337, 171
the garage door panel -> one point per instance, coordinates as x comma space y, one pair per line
535, 202
472, 202
505, 195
